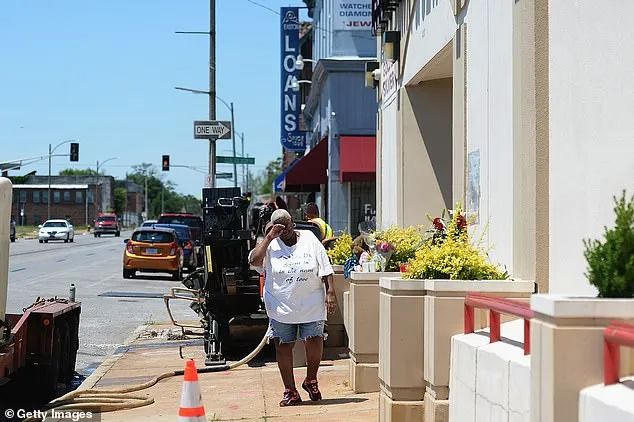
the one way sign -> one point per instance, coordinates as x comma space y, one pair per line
214, 129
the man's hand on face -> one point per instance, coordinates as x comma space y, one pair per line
276, 231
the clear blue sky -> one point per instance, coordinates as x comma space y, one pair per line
103, 72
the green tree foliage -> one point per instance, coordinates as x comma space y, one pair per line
263, 182
162, 196
78, 172
119, 200
611, 260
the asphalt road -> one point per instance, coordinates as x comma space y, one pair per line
94, 265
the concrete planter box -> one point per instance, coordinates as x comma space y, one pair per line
401, 352
444, 317
567, 351
362, 311
337, 337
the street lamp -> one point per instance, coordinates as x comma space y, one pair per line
233, 133
104, 162
295, 83
299, 63
51, 150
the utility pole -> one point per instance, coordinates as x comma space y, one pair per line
48, 202
212, 87
233, 140
244, 183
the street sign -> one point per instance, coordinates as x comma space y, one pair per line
224, 175
212, 129
221, 159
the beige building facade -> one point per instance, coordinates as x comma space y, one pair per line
519, 110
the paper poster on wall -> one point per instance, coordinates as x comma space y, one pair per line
473, 186
351, 15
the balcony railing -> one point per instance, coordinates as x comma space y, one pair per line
381, 13
497, 305
615, 335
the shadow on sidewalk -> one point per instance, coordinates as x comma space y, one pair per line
329, 402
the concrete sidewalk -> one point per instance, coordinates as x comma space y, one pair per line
248, 393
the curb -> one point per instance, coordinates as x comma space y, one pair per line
105, 366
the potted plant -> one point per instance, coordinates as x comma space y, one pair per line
339, 252
569, 330
430, 295
386, 250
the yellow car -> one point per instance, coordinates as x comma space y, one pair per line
153, 250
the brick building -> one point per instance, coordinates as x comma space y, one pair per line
79, 203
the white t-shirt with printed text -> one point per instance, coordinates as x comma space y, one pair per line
294, 292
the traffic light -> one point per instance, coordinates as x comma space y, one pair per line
74, 151
166, 163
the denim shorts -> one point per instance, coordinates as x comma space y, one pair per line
289, 333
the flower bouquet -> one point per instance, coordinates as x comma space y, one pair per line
383, 251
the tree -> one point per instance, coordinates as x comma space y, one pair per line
263, 182
119, 200
78, 172
162, 196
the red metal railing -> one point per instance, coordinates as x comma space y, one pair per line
615, 335
497, 305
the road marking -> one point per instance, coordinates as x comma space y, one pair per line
133, 295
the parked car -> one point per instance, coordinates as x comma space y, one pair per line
12, 230
195, 224
56, 230
148, 223
153, 250
107, 223
187, 243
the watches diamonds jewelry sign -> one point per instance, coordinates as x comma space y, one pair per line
352, 15
291, 137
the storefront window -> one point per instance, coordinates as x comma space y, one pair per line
66, 196
22, 196
90, 197
36, 196
57, 197
44, 196
79, 197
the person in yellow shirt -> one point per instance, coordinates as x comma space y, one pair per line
311, 212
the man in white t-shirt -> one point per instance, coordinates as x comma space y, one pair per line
298, 290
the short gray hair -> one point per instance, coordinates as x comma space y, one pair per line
279, 215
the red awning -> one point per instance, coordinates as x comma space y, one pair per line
357, 158
307, 173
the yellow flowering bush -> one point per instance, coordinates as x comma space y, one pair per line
453, 258
341, 250
406, 242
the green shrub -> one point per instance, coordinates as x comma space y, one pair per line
406, 242
341, 250
611, 261
453, 258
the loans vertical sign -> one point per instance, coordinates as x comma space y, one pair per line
353, 15
291, 137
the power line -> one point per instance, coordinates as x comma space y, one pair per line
253, 2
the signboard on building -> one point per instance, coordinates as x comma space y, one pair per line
352, 15
389, 79
291, 137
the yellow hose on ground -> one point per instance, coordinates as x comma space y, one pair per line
102, 401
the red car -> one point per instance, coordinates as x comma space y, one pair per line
107, 223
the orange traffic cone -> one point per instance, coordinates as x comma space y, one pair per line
191, 408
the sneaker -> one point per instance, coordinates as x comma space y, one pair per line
313, 389
291, 398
